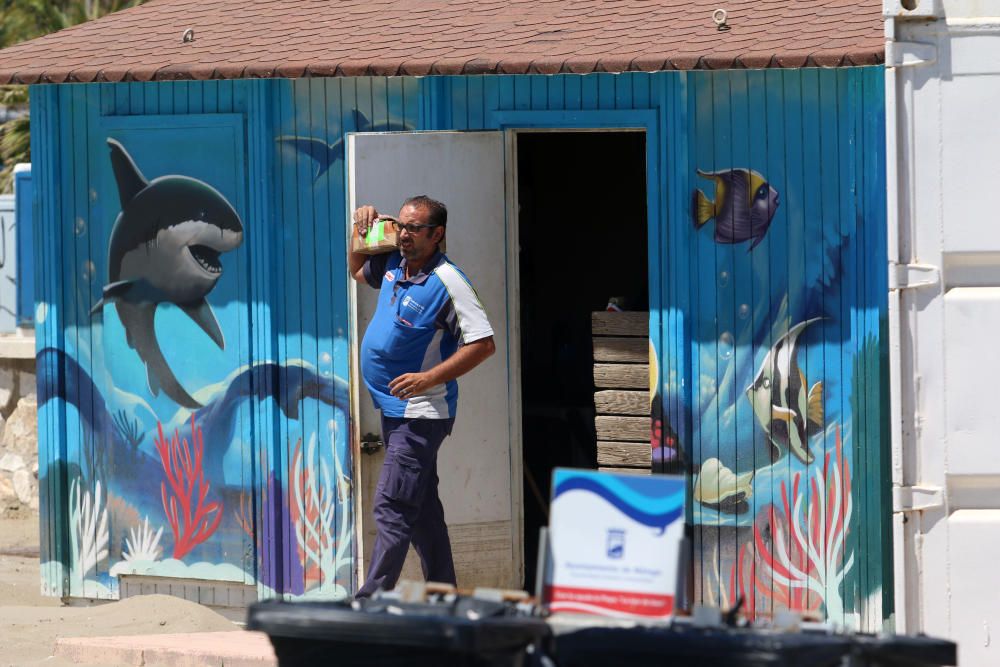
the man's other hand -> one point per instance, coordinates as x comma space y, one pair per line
410, 384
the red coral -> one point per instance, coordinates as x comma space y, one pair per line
191, 518
798, 558
754, 573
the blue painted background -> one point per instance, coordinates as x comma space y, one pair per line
715, 311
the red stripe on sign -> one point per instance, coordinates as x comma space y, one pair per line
594, 601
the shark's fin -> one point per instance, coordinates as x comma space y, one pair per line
112, 292
137, 318
154, 384
204, 316
361, 121
130, 180
319, 151
816, 405
116, 290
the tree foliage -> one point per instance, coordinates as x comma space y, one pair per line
21, 20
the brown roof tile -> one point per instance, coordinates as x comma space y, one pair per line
296, 38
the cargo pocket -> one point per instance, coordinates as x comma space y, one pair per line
400, 481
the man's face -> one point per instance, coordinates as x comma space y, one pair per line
420, 245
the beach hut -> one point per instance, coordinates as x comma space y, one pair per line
717, 167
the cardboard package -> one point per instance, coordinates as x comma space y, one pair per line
381, 238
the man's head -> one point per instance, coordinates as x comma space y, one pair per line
431, 217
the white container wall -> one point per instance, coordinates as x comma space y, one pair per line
943, 81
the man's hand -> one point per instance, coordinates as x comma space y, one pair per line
410, 384
364, 216
467, 357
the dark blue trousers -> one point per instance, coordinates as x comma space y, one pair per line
406, 505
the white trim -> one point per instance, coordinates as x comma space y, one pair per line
472, 319
433, 404
514, 359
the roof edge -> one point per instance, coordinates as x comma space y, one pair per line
474, 66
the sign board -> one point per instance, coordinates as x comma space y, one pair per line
615, 543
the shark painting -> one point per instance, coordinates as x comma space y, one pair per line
165, 248
326, 155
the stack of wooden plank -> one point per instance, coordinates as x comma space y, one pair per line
621, 380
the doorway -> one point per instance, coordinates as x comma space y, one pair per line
581, 216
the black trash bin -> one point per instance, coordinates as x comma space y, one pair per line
462, 633
685, 646
902, 651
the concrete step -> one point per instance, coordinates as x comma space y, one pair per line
195, 649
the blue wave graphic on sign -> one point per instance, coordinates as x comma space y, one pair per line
655, 512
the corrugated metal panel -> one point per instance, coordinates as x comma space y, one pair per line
789, 510
814, 135
262, 466
24, 205
8, 264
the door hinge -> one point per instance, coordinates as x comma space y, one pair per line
909, 54
912, 276
916, 498
371, 443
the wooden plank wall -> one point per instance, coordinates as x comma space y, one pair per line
621, 396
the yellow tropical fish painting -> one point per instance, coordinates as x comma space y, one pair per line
743, 207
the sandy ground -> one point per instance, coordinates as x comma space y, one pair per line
30, 623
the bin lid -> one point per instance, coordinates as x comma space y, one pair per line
645, 645
424, 625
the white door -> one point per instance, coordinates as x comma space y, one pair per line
943, 84
465, 170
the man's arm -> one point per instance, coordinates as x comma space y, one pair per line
464, 360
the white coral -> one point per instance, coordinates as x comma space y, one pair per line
144, 545
89, 535
322, 493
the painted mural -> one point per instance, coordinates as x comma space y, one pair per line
176, 473
770, 396
195, 424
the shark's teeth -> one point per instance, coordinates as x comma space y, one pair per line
207, 258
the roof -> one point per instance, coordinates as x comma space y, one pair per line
296, 38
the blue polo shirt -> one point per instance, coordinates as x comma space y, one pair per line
418, 323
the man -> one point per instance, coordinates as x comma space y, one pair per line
429, 328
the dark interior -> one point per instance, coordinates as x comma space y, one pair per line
582, 228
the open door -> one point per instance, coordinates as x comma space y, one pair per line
478, 462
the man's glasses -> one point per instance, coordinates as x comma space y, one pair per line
411, 227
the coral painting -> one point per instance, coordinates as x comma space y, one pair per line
192, 519
798, 557
89, 534
319, 502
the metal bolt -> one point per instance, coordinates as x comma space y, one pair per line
719, 16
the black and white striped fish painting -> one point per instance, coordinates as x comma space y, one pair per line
786, 411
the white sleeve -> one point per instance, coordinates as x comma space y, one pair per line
469, 314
